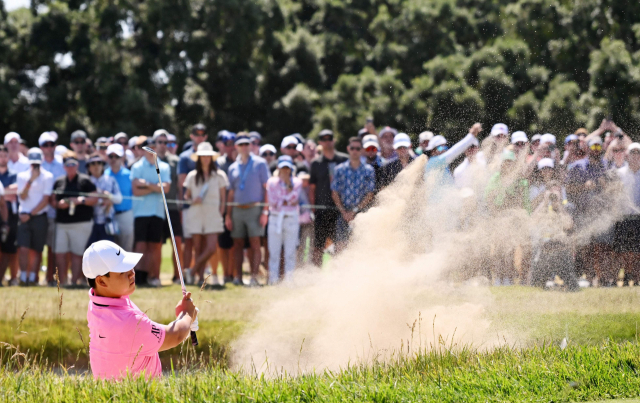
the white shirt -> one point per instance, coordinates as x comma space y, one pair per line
469, 174
21, 165
42, 186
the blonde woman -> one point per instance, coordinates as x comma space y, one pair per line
206, 190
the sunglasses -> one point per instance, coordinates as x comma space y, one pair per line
113, 156
123, 142
102, 147
200, 134
371, 149
355, 148
48, 144
520, 144
535, 142
161, 143
80, 142
325, 138
290, 147
442, 148
95, 163
171, 144
268, 154
595, 147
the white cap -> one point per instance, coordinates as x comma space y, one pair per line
425, 136
388, 129
594, 140
116, 149
35, 155
132, 141
299, 147
436, 142
547, 138
401, 140
10, 136
267, 147
103, 257
287, 141
536, 137
54, 134
499, 128
285, 161
633, 146
120, 135
45, 138
519, 136
545, 163
61, 150
370, 140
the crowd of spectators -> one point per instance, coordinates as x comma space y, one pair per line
240, 200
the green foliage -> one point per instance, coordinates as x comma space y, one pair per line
284, 66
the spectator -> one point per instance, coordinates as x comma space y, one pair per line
283, 193
47, 144
186, 165
247, 178
424, 139
519, 141
123, 210
289, 147
627, 231
309, 153
138, 152
402, 146
386, 137
256, 140
548, 174
352, 189
230, 153
370, 126
90, 148
220, 138
104, 228
149, 216
322, 170
172, 144
371, 157
74, 216
268, 152
616, 154
17, 161
80, 148
34, 190
572, 151
9, 228
122, 139
159, 142
101, 147
206, 190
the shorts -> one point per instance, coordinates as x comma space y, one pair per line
325, 227
224, 240
51, 231
176, 224
148, 229
10, 245
246, 222
73, 237
627, 235
202, 219
33, 233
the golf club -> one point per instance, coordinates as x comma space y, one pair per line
194, 338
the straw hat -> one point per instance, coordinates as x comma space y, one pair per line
204, 149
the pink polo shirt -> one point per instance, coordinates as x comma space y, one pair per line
123, 339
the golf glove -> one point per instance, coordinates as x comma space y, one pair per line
194, 324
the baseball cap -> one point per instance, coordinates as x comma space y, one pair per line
61, 150
287, 141
160, 133
46, 137
499, 128
243, 139
34, 155
363, 132
132, 141
594, 140
103, 257
78, 134
267, 147
425, 136
255, 136
102, 140
370, 140
299, 137
120, 135
571, 137
95, 158
10, 136
633, 146
198, 127
388, 129
401, 140
545, 163
54, 134
436, 142
171, 138
116, 149
535, 137
325, 132
285, 161
547, 138
519, 136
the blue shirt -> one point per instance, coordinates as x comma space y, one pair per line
151, 204
256, 178
353, 184
123, 177
186, 164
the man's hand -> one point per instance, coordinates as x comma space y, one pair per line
476, 129
186, 305
228, 222
62, 204
264, 219
24, 218
142, 184
35, 172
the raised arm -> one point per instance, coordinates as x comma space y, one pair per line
461, 146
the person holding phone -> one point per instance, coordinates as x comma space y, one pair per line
34, 188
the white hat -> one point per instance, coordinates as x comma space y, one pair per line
594, 140
285, 161
10, 136
370, 140
116, 149
61, 150
499, 128
633, 146
120, 136
287, 141
519, 136
388, 129
54, 134
35, 155
536, 137
267, 147
132, 141
46, 137
103, 257
401, 140
436, 142
171, 138
546, 163
425, 136
547, 138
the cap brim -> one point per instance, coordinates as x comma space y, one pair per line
129, 262
403, 144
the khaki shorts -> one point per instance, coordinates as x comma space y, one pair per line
73, 237
201, 219
246, 222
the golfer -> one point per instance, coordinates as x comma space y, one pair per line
123, 339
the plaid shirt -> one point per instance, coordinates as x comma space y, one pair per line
353, 184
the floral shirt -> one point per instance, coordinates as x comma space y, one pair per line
109, 184
353, 184
277, 194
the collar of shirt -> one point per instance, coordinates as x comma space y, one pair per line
122, 301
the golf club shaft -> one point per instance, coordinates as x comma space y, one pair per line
194, 338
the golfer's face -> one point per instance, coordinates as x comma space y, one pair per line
121, 283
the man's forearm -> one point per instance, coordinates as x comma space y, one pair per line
4, 212
365, 202
176, 331
230, 197
43, 203
336, 199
